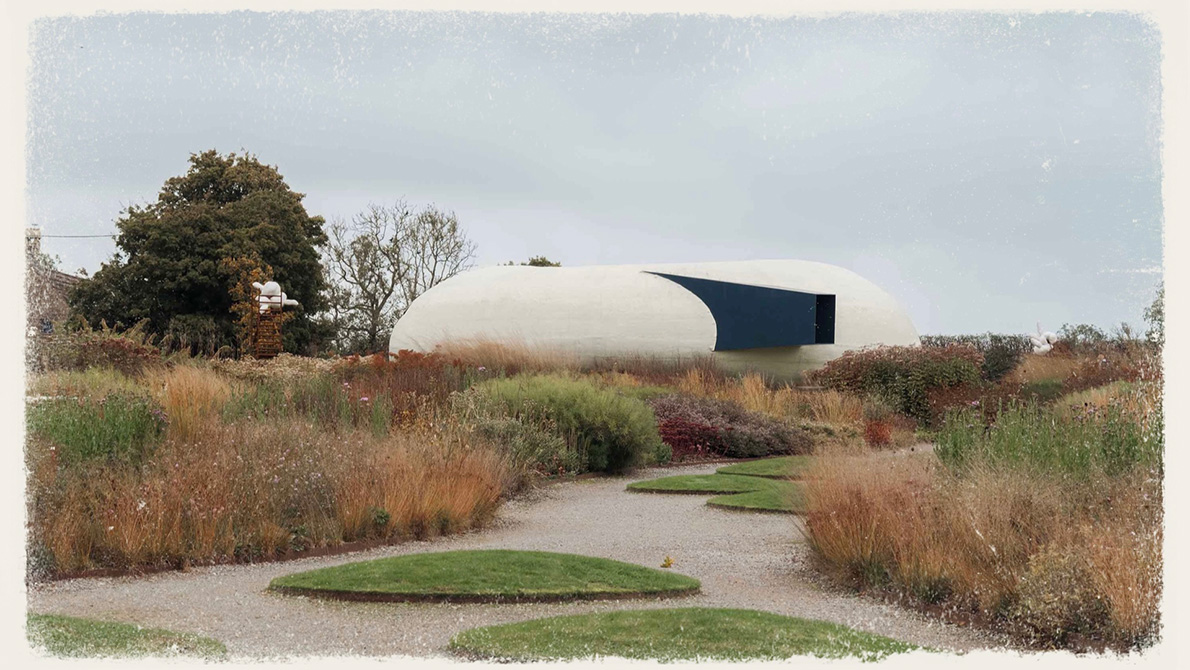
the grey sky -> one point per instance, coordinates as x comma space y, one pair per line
989, 170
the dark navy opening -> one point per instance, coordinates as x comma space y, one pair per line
753, 317
824, 319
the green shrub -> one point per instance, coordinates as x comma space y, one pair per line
1033, 437
1082, 336
530, 438
905, 376
612, 432
114, 427
1001, 353
532, 443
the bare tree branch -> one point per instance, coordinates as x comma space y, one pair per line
381, 261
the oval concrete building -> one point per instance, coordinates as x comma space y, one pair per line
779, 317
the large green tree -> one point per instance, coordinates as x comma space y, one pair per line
169, 268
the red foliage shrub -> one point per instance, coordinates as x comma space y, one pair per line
740, 433
128, 351
878, 433
689, 439
903, 375
1100, 370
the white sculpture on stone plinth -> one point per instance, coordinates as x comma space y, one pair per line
271, 296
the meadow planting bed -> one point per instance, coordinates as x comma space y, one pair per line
1039, 511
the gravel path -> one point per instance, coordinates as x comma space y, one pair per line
744, 560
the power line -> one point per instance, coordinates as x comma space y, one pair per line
78, 236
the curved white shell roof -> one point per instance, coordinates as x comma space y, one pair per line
621, 310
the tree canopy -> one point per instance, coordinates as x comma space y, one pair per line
538, 262
170, 265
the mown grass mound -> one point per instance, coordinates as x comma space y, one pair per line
694, 484
494, 575
787, 499
782, 467
759, 494
673, 634
71, 636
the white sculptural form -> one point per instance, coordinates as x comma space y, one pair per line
1043, 343
271, 296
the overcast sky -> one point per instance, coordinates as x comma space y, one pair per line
988, 170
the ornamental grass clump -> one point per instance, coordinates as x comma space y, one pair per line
657, 370
783, 401
530, 438
90, 384
405, 374
612, 432
320, 398
191, 395
509, 358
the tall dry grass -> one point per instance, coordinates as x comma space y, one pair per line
656, 370
253, 489
190, 395
511, 357
1050, 557
752, 392
1035, 368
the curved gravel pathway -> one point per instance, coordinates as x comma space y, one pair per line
754, 561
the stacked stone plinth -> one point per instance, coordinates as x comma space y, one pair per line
268, 334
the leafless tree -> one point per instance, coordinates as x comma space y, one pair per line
381, 261
434, 249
